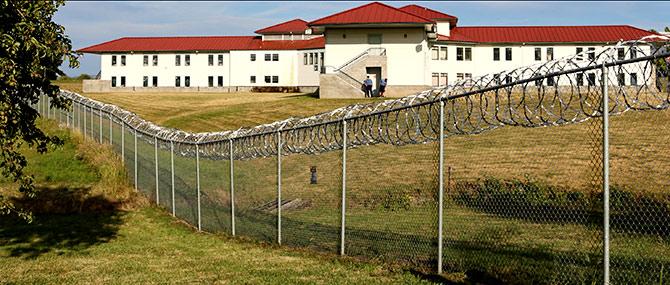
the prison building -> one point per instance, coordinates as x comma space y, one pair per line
414, 47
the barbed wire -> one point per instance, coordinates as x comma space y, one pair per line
563, 91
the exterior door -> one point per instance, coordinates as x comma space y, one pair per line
375, 74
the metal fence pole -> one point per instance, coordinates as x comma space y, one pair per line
279, 187
135, 160
197, 179
84, 122
48, 106
111, 127
440, 196
232, 191
100, 126
344, 185
91, 120
123, 141
606, 185
78, 116
172, 174
156, 166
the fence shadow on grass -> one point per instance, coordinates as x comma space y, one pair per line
65, 221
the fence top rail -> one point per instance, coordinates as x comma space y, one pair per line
649, 49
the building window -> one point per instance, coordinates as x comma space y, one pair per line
443, 53
145, 60
621, 53
155, 60
268, 79
123, 81
508, 79
374, 39
113, 81
220, 60
322, 62
538, 54
550, 54
275, 79
187, 81
621, 79
177, 60
275, 57
580, 79
633, 79
579, 51
177, 81
464, 54
304, 59
210, 60
496, 54
436, 78
145, 81
154, 81
550, 81
591, 78
252, 79
123, 60
443, 79
508, 54
268, 57
592, 53
252, 57
316, 58
113, 60
468, 76
434, 55
538, 82
311, 58
210, 81
459, 76
633, 54
219, 81
187, 60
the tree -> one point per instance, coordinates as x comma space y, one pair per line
32, 49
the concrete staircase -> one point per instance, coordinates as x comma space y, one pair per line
346, 81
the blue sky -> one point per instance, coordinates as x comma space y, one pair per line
89, 23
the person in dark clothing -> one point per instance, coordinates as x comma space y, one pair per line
368, 86
382, 87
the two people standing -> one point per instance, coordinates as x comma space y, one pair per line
367, 85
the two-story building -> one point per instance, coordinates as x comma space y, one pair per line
413, 47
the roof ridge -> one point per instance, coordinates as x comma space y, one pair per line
282, 23
366, 5
548, 26
429, 9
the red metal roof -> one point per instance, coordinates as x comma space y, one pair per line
223, 43
544, 34
371, 13
428, 13
296, 26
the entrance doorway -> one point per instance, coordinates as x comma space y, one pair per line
375, 74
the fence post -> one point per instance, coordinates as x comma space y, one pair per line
172, 174
78, 116
440, 196
197, 179
48, 107
91, 112
123, 141
606, 183
344, 185
100, 126
156, 166
232, 191
135, 160
279, 187
111, 127
85, 121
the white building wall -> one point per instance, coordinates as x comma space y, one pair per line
406, 51
236, 70
482, 62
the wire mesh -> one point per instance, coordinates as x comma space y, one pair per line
215, 196
522, 205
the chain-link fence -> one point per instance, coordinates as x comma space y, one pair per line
504, 178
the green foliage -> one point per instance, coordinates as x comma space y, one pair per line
32, 48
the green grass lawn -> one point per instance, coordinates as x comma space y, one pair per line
142, 244
392, 191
